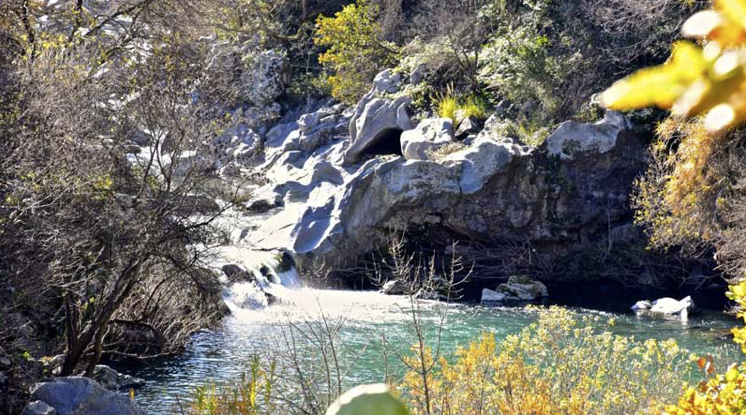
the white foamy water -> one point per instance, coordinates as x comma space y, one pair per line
294, 302
302, 304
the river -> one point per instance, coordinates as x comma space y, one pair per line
364, 318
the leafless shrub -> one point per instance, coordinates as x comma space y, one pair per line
93, 235
457, 27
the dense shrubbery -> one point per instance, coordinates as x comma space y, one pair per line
102, 254
557, 365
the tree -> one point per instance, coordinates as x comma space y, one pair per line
104, 231
355, 51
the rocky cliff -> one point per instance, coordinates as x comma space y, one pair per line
339, 181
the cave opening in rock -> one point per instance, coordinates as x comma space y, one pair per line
387, 142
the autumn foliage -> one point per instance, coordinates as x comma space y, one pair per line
355, 52
683, 192
558, 365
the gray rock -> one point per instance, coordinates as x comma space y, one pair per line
483, 160
467, 126
83, 396
113, 380
386, 82
237, 274
518, 288
571, 139
429, 135
395, 287
521, 287
376, 119
264, 81
418, 74
106, 377
239, 144
5, 363
490, 296
38, 408
3, 378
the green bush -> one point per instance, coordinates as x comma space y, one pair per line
355, 52
457, 109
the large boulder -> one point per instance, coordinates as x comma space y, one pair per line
522, 287
573, 139
83, 396
429, 135
517, 288
378, 121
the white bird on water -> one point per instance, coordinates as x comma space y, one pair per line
666, 306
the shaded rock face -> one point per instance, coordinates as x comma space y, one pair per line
81, 396
333, 203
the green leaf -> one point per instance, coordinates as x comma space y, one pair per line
368, 400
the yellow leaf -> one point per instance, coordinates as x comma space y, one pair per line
702, 24
734, 10
660, 85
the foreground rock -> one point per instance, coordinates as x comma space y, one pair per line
113, 380
80, 396
518, 288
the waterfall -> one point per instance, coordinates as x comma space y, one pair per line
268, 277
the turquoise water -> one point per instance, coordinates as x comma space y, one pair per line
364, 320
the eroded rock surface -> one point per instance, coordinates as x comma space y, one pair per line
429, 135
332, 196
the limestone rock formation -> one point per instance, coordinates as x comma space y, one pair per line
517, 288
264, 79
338, 197
378, 122
429, 135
